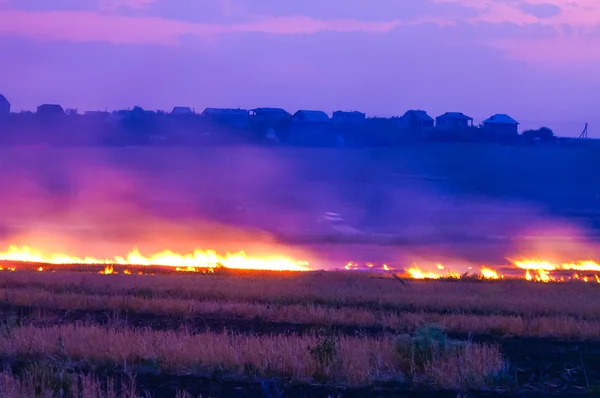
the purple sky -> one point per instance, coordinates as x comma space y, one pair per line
537, 60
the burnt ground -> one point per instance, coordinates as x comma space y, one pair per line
221, 385
537, 366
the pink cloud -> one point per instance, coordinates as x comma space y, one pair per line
90, 26
584, 13
115, 4
557, 53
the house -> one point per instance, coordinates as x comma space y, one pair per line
353, 117
453, 121
238, 118
416, 119
313, 128
501, 124
4, 106
96, 115
50, 110
269, 123
310, 117
350, 126
182, 110
269, 115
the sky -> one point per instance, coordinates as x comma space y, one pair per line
536, 60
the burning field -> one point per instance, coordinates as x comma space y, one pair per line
127, 277
207, 261
170, 324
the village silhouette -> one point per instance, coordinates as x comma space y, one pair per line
53, 125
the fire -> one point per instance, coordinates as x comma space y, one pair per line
535, 265
108, 270
587, 265
193, 261
542, 270
208, 261
417, 273
488, 273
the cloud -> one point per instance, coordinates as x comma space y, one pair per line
501, 24
84, 26
572, 12
43, 5
126, 3
543, 10
375, 10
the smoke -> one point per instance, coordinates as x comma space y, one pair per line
102, 202
105, 201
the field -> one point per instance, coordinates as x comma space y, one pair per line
236, 333
125, 327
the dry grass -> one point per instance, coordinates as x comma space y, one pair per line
343, 359
534, 326
41, 380
314, 299
333, 289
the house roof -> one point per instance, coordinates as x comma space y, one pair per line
3, 100
269, 110
182, 109
225, 112
418, 114
50, 108
354, 114
311, 116
269, 114
454, 115
500, 118
349, 117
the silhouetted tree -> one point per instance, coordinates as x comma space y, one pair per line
543, 134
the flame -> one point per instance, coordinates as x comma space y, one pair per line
197, 259
536, 270
535, 265
417, 273
108, 270
488, 273
543, 269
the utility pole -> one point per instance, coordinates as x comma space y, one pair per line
584, 133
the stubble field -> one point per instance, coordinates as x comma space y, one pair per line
234, 333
